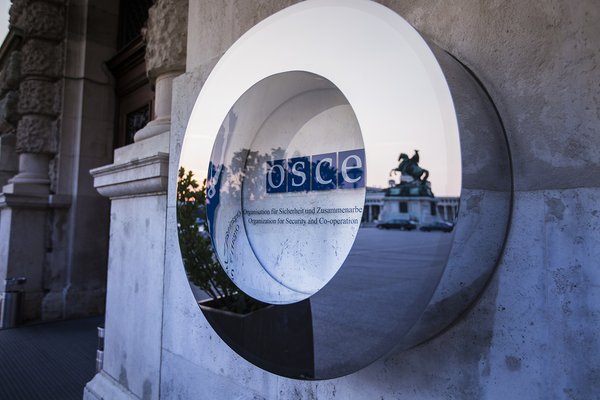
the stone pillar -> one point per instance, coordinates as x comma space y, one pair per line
9, 100
27, 198
136, 183
42, 25
166, 41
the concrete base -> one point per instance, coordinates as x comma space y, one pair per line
103, 387
23, 250
136, 183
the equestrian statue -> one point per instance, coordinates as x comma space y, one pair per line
410, 167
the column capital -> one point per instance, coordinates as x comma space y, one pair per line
166, 37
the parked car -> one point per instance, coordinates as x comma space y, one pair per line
437, 226
403, 224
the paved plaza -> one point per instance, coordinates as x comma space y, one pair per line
51, 361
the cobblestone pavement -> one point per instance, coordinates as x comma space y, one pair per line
51, 361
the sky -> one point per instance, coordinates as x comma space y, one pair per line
4, 6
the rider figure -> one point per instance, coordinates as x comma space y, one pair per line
415, 157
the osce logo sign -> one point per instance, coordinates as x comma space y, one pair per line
341, 170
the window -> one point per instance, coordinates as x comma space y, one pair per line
403, 207
135, 97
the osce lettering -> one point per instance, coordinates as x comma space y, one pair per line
342, 170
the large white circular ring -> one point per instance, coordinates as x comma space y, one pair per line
382, 66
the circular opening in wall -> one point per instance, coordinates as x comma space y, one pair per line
284, 128
287, 187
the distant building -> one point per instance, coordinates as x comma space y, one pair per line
408, 201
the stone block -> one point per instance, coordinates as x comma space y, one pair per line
219, 23
43, 19
134, 307
39, 97
22, 252
37, 134
104, 387
142, 149
41, 58
183, 379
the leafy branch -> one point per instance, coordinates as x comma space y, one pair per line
201, 265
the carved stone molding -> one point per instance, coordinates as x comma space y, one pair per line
37, 134
39, 19
166, 37
139, 177
39, 97
41, 58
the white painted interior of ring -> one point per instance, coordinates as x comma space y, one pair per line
377, 60
281, 264
303, 258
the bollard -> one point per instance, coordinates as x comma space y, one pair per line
11, 303
100, 349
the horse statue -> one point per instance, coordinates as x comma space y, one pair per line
410, 167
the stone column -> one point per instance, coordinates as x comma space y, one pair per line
166, 41
136, 183
27, 197
42, 25
9, 100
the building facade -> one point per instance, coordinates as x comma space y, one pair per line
383, 205
77, 96
57, 113
533, 59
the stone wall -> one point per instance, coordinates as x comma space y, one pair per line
532, 333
